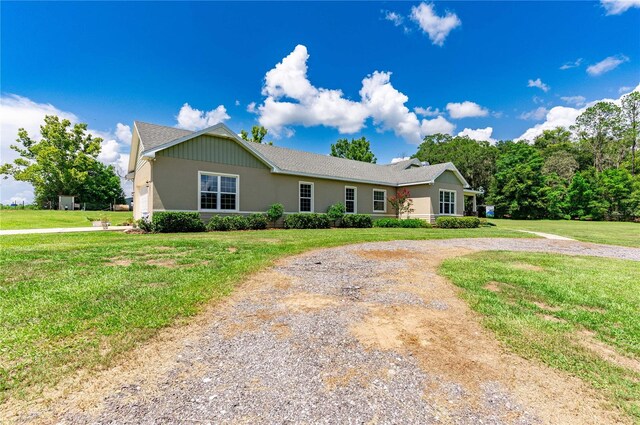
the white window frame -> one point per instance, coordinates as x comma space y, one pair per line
374, 200
218, 203
441, 203
312, 197
355, 199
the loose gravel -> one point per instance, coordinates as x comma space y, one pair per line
285, 352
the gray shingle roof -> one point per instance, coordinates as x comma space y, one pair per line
154, 135
311, 164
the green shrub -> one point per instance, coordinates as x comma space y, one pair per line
174, 222
217, 223
413, 223
357, 220
257, 221
307, 221
144, 224
275, 212
336, 212
457, 222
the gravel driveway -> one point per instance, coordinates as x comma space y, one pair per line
359, 334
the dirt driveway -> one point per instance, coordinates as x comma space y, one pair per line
360, 334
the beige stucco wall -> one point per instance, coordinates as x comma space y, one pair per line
176, 187
447, 181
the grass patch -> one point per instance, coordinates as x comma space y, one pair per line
11, 219
71, 301
576, 314
606, 232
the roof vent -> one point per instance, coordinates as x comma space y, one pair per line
425, 163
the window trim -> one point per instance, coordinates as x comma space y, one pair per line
218, 203
312, 197
455, 202
374, 200
355, 199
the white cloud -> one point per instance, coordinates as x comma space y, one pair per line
559, 116
21, 112
625, 89
482, 134
574, 64
400, 159
436, 125
466, 109
195, 119
427, 112
394, 17
617, 7
537, 114
537, 100
606, 65
437, 27
539, 84
574, 100
291, 99
237, 102
123, 133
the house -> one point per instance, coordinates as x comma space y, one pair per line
213, 171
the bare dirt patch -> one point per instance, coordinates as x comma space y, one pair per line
546, 307
232, 249
162, 262
527, 266
305, 301
588, 340
123, 262
551, 318
398, 254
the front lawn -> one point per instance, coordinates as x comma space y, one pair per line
607, 232
71, 301
11, 219
576, 314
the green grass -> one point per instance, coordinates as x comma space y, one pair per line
596, 295
607, 232
11, 219
64, 305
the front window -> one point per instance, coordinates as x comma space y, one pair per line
379, 200
447, 202
350, 199
306, 197
218, 192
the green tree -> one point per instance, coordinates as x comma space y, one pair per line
631, 116
63, 162
580, 196
258, 133
517, 184
356, 149
102, 188
476, 160
615, 187
600, 131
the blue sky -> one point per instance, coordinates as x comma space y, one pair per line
476, 65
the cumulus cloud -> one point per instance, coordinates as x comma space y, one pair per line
427, 112
539, 84
606, 65
394, 18
21, 112
563, 116
466, 109
400, 159
482, 134
573, 64
437, 27
291, 99
574, 100
617, 7
194, 119
123, 133
436, 125
536, 115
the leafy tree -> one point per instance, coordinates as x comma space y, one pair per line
401, 202
615, 187
476, 160
562, 164
554, 194
516, 187
631, 116
600, 131
580, 196
356, 149
63, 162
258, 133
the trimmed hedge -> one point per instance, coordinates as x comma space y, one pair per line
307, 221
356, 220
175, 222
457, 222
413, 223
237, 222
